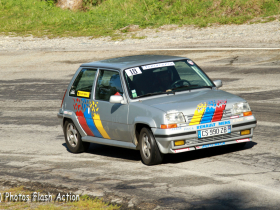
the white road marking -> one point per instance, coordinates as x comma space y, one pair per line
213, 49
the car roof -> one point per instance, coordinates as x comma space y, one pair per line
131, 61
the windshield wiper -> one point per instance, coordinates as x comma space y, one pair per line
183, 87
204, 87
196, 87
152, 94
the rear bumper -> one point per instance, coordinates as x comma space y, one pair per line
166, 137
60, 118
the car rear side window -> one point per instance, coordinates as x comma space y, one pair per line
82, 85
108, 84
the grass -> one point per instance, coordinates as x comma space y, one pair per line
85, 202
41, 18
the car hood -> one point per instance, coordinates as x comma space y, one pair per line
188, 102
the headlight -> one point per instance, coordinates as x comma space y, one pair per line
177, 117
241, 107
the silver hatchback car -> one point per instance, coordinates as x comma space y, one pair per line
152, 103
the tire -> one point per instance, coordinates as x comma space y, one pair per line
149, 151
73, 138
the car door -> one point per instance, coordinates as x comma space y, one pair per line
110, 119
81, 95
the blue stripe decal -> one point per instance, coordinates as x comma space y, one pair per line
91, 124
208, 114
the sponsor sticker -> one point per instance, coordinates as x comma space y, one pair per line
232, 117
249, 118
181, 150
190, 128
176, 129
242, 140
211, 145
225, 122
134, 94
209, 125
83, 94
190, 62
158, 65
133, 71
237, 120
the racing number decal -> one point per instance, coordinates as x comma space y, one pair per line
133, 71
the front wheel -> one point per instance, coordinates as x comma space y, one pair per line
73, 138
148, 148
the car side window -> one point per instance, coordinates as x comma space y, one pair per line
108, 84
82, 85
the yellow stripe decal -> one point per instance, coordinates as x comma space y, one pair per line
198, 114
99, 126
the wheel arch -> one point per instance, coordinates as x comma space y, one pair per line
76, 123
138, 127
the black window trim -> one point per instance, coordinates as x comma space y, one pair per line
79, 70
95, 83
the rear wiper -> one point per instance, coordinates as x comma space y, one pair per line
152, 94
183, 87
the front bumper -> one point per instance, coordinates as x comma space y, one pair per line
166, 137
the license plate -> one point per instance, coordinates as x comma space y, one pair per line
214, 131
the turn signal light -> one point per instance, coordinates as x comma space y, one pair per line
163, 126
180, 142
247, 113
245, 132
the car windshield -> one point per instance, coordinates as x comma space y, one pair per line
167, 77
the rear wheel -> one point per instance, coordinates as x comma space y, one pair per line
148, 148
73, 138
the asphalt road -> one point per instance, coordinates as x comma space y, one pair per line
33, 152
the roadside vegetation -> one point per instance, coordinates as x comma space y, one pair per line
85, 203
103, 17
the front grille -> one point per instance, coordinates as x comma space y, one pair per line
212, 138
227, 114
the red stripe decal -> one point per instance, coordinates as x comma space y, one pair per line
221, 105
83, 123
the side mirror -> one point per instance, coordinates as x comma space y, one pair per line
218, 83
116, 99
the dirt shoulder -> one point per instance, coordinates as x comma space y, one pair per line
246, 35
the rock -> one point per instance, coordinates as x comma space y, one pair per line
70, 4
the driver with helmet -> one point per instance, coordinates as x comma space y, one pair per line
163, 82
